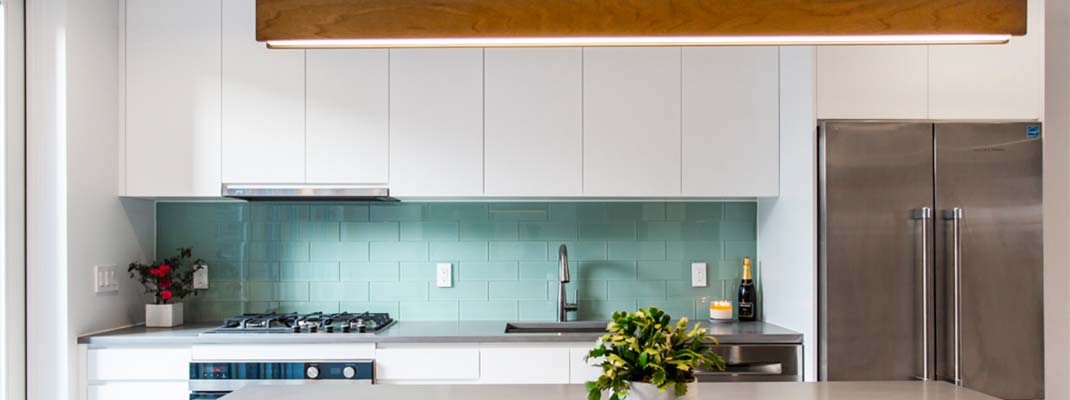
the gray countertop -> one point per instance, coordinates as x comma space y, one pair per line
411, 332
749, 391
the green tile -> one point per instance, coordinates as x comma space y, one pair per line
488, 271
518, 290
338, 251
548, 231
369, 231
677, 308
518, 211
318, 272
603, 310
737, 250
461, 290
636, 250
542, 270
738, 231
373, 307
429, 231
397, 291
698, 231
521, 251
398, 251
278, 212
397, 212
607, 270
220, 290
624, 211
307, 231
741, 211
278, 251
213, 311
339, 212
653, 211
265, 231
276, 291
693, 251
579, 251
369, 271
336, 291
260, 271
458, 251
488, 311
732, 269
224, 270
260, 307
537, 311
667, 270
429, 311
305, 307
570, 212
683, 289
607, 231
457, 212
622, 290
421, 271
488, 231
693, 212
583, 290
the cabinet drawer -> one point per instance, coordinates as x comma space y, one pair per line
428, 364
137, 364
140, 391
524, 365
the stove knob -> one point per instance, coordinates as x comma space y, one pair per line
349, 372
312, 372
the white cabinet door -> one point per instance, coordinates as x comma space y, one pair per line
534, 122
139, 391
631, 121
580, 370
263, 104
872, 82
137, 364
731, 129
436, 122
348, 116
427, 363
518, 364
172, 106
991, 81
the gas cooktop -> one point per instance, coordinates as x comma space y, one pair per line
317, 322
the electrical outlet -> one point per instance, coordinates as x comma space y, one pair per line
105, 280
444, 275
200, 278
698, 274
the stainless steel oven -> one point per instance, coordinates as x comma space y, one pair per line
213, 380
756, 363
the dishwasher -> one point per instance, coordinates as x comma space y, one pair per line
756, 363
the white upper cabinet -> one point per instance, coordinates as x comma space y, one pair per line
263, 104
348, 136
631, 114
993, 81
436, 122
872, 82
731, 130
172, 78
534, 122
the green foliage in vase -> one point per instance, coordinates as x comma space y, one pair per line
644, 347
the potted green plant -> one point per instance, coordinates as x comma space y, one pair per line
644, 357
168, 282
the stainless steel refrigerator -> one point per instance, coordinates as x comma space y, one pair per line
931, 254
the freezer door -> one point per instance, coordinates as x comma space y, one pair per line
876, 253
991, 173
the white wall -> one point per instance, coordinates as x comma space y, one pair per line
12, 256
787, 225
75, 218
1057, 202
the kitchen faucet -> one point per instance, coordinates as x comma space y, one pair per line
563, 306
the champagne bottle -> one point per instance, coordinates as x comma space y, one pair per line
747, 303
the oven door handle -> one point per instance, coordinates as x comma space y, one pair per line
756, 368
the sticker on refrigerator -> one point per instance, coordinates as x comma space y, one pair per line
1032, 131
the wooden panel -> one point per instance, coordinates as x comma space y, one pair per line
631, 114
348, 138
534, 122
873, 82
172, 98
136, 364
347, 19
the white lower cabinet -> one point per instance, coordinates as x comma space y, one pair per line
139, 391
427, 364
580, 370
528, 364
129, 373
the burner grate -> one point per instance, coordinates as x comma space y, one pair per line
317, 322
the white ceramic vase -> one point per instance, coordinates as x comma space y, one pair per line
646, 391
163, 315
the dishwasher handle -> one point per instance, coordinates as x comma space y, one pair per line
766, 368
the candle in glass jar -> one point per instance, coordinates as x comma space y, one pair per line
721, 310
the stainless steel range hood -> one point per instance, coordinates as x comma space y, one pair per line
307, 192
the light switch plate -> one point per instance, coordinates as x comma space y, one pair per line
200, 278
444, 275
698, 274
105, 280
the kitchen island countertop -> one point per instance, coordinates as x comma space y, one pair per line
411, 332
711, 391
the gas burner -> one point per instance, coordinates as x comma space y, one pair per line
318, 322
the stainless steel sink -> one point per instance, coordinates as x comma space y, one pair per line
557, 327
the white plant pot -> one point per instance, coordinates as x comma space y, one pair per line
163, 315
646, 391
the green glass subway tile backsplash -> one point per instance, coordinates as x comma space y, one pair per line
307, 257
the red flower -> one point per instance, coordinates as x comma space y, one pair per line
164, 270
154, 272
165, 295
166, 283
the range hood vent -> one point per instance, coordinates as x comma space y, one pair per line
310, 192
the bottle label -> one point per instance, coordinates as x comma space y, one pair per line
746, 310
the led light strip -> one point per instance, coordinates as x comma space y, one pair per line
640, 41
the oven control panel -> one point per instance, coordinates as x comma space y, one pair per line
361, 370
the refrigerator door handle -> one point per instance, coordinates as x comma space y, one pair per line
924, 215
955, 215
